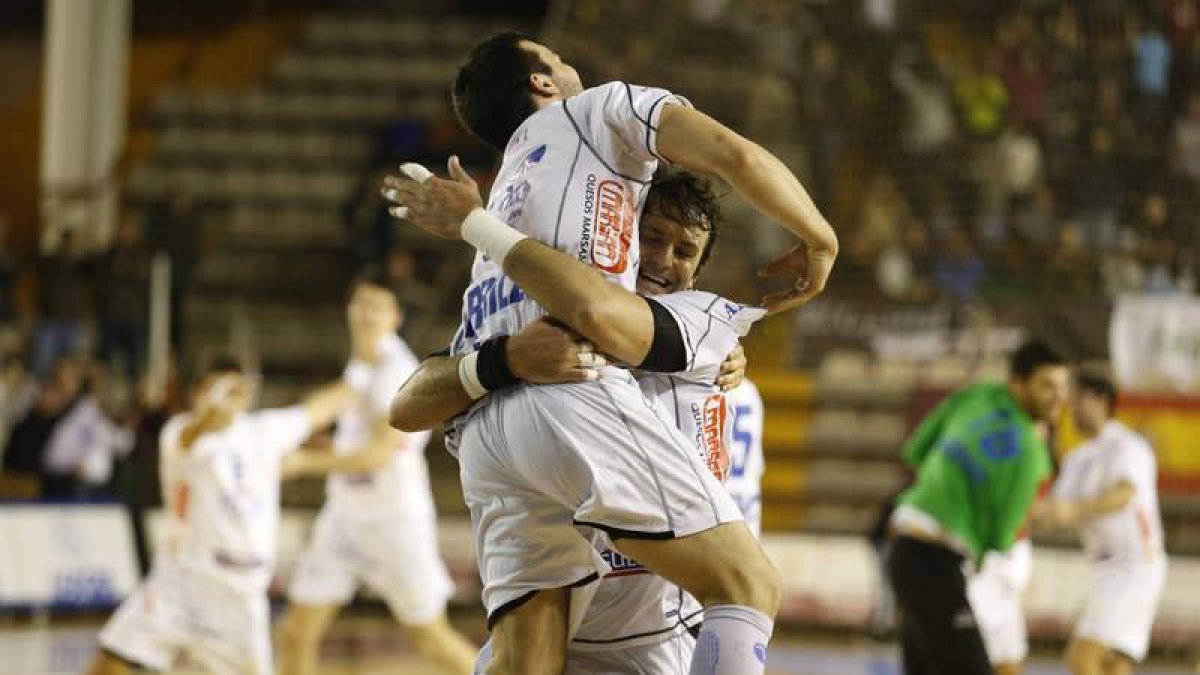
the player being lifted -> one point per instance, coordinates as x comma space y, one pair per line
378, 525
637, 621
206, 594
979, 463
576, 167
1108, 489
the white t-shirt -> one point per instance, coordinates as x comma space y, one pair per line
401, 483
631, 605
574, 176
1134, 533
222, 494
746, 464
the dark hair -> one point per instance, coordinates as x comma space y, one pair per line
688, 199
1094, 381
222, 364
1032, 355
491, 91
372, 275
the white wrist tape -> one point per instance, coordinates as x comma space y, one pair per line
468, 375
490, 235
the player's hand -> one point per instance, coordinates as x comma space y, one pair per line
434, 204
545, 353
733, 369
1056, 513
808, 266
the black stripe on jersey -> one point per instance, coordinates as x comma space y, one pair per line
707, 330
518, 601
584, 139
616, 533
566, 188
646, 120
625, 638
132, 663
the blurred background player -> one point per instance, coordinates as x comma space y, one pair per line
979, 464
378, 526
1108, 490
206, 595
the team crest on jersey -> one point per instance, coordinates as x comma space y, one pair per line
709, 417
606, 232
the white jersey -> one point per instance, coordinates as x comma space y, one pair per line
632, 606
574, 176
223, 493
746, 463
402, 483
1134, 533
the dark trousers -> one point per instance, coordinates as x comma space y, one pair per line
938, 633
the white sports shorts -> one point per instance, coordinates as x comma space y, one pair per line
226, 628
396, 557
541, 465
995, 593
1122, 600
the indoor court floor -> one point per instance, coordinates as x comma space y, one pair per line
368, 646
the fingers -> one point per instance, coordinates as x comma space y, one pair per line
416, 172
457, 172
591, 360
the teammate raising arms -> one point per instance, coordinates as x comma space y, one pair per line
1108, 489
576, 167
206, 594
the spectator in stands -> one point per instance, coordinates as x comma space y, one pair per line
84, 444
1151, 71
1069, 271
1035, 220
1099, 189
27, 440
9, 274
899, 268
64, 292
929, 126
821, 100
1028, 81
123, 299
1187, 138
982, 98
958, 271
17, 394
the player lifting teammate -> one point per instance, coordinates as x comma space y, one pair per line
576, 167
637, 620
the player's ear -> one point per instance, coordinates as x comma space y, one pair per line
542, 84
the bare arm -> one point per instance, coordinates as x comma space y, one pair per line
324, 404
384, 443
698, 142
542, 353
1070, 512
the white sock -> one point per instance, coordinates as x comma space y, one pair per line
484, 658
733, 641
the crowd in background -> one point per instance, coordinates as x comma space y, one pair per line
975, 149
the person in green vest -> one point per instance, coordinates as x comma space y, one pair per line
979, 464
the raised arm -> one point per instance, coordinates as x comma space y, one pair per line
324, 404
385, 442
695, 141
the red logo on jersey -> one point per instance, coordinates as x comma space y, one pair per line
712, 430
614, 228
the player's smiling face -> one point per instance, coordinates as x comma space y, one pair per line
671, 254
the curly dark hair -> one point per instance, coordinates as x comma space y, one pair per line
689, 199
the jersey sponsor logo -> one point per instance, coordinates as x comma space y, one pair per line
622, 566
731, 309
488, 296
606, 231
710, 416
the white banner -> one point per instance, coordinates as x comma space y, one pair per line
65, 556
1155, 343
